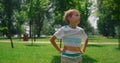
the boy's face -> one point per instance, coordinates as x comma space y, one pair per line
75, 18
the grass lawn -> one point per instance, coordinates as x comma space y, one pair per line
25, 53
100, 38
92, 38
45, 53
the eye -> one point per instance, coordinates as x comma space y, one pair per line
77, 15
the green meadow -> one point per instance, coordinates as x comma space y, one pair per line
45, 53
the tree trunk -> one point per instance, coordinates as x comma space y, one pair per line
119, 36
9, 37
11, 42
119, 41
30, 28
40, 27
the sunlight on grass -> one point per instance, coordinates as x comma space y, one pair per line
99, 38
92, 38
45, 53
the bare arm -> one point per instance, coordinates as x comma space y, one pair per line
52, 40
84, 46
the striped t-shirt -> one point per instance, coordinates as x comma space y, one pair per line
71, 37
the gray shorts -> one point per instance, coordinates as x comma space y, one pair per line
71, 60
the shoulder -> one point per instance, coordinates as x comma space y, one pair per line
63, 28
66, 27
80, 28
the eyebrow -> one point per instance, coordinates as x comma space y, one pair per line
76, 14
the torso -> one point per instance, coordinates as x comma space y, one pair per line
72, 39
71, 48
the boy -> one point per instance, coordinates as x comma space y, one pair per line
72, 36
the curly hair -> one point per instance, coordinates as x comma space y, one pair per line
69, 13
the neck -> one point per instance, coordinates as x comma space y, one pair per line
72, 26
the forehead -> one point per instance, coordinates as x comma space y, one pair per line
75, 12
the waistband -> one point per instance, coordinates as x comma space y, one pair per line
71, 55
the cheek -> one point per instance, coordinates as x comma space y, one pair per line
78, 18
79, 21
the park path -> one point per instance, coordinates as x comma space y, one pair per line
47, 42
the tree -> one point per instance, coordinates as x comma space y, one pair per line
20, 19
36, 12
110, 17
106, 24
8, 10
8, 7
85, 13
61, 6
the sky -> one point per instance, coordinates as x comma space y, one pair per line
93, 17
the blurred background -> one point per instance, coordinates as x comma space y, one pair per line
42, 17
27, 25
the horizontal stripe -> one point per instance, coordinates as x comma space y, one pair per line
71, 52
72, 44
75, 40
72, 41
71, 55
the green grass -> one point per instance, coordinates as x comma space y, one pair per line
102, 54
99, 38
45, 53
95, 38
25, 53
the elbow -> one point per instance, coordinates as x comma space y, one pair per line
87, 39
52, 39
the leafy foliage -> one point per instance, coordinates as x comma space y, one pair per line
109, 18
82, 6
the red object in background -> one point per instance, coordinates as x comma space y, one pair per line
25, 37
